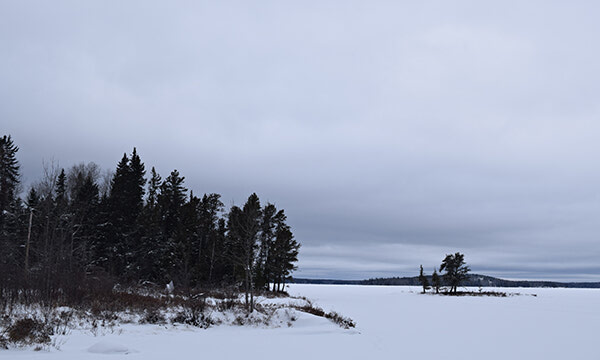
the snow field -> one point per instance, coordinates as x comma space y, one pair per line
392, 323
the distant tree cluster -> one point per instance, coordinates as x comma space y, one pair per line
75, 229
456, 272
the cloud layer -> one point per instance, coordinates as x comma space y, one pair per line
391, 132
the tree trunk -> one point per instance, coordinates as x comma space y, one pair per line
27, 246
246, 289
212, 262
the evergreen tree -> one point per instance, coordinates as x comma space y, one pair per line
244, 227
170, 202
60, 233
264, 270
61, 186
285, 254
171, 199
435, 281
126, 203
136, 184
84, 230
9, 176
153, 188
456, 270
423, 280
151, 253
209, 209
187, 238
11, 213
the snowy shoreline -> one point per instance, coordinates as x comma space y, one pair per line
392, 322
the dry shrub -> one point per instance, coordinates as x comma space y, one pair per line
475, 293
153, 317
344, 322
228, 304
29, 331
311, 309
193, 314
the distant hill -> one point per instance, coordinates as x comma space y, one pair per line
473, 280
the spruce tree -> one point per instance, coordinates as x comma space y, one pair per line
209, 209
244, 226
153, 188
11, 213
84, 227
435, 281
136, 183
186, 238
115, 246
170, 202
150, 257
9, 176
267, 236
171, 199
285, 252
126, 204
423, 280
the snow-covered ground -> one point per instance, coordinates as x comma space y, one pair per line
393, 323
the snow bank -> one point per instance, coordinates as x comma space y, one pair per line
108, 347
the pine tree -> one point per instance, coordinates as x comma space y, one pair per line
149, 259
456, 270
435, 281
209, 209
267, 237
423, 280
285, 253
84, 230
244, 227
186, 238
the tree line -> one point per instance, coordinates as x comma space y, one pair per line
73, 230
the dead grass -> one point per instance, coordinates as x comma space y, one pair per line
342, 321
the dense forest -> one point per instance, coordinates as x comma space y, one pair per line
74, 230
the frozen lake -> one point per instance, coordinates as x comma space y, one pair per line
399, 322
393, 323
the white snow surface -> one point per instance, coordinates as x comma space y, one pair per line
393, 323
107, 347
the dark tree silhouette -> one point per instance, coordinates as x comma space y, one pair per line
423, 280
75, 233
456, 270
435, 281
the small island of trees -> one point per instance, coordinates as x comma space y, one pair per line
455, 272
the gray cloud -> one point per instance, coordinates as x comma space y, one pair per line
392, 133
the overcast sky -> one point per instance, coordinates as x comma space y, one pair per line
391, 132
